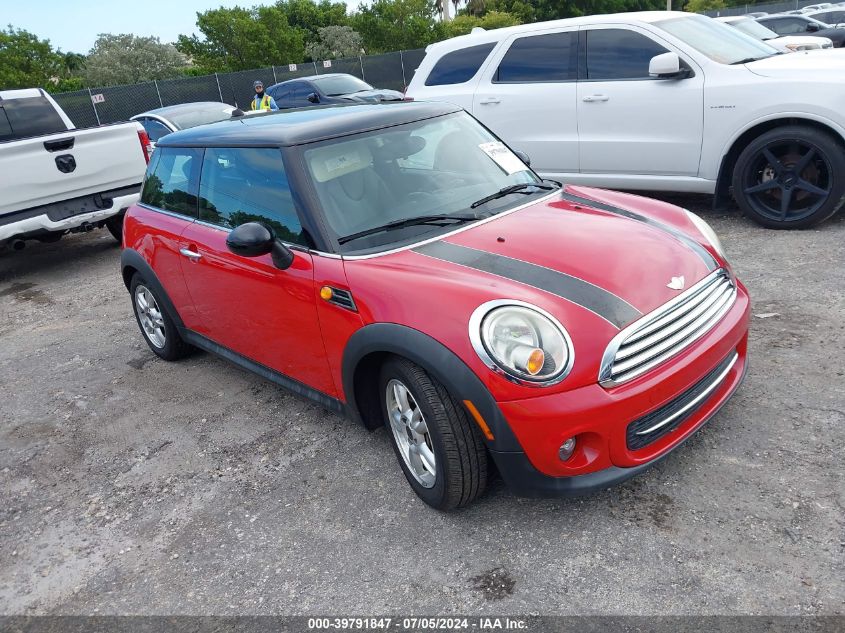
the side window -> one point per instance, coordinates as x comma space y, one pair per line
155, 129
240, 185
458, 66
281, 94
33, 116
619, 54
551, 57
171, 182
789, 26
301, 92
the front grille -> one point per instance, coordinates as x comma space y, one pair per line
671, 328
645, 430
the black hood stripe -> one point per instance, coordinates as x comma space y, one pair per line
699, 250
603, 303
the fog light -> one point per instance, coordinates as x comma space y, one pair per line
566, 449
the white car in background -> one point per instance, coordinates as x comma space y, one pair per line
784, 43
657, 101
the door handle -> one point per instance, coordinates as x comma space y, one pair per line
192, 255
490, 101
595, 98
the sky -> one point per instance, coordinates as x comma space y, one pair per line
73, 25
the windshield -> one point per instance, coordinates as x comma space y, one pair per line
419, 171
337, 85
193, 118
754, 29
716, 40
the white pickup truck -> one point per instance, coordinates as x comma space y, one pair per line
55, 179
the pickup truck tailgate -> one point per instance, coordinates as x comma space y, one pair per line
39, 171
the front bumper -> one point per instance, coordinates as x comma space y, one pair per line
598, 418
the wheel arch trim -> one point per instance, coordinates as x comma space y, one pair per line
131, 262
379, 339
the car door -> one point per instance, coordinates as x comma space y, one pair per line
246, 304
527, 95
629, 122
170, 191
282, 96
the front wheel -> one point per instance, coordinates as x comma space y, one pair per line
157, 327
791, 177
438, 447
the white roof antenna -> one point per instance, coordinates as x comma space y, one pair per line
478, 29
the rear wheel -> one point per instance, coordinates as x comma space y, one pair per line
790, 178
157, 327
115, 226
439, 449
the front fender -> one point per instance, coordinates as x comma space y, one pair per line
131, 262
437, 360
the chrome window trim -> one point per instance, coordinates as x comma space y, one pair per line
461, 229
608, 358
475, 322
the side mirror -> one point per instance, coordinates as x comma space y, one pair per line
313, 98
812, 27
523, 157
667, 66
254, 239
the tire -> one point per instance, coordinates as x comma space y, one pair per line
792, 177
157, 328
115, 226
460, 458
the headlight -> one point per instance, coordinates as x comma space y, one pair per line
708, 233
524, 342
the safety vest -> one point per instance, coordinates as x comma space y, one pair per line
265, 103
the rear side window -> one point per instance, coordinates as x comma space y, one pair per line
240, 185
155, 129
5, 127
32, 116
458, 66
171, 182
619, 54
538, 58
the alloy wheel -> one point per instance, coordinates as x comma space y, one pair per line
150, 316
411, 433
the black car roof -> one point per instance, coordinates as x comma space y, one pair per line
304, 125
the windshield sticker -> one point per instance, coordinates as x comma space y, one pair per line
503, 157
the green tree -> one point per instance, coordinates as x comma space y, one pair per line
308, 16
28, 62
129, 59
242, 39
699, 6
464, 24
334, 42
392, 25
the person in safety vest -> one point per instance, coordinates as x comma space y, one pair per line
262, 101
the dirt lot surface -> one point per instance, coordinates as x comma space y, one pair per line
132, 485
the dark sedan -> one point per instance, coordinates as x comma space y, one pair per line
327, 89
783, 24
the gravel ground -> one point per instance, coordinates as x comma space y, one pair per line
134, 486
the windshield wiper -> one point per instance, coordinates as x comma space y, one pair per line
506, 191
401, 224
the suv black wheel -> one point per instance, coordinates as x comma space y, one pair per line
158, 328
791, 177
439, 449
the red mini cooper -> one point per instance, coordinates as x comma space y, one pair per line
400, 265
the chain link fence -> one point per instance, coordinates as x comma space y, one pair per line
97, 106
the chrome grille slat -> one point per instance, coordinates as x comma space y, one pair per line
629, 348
668, 330
675, 313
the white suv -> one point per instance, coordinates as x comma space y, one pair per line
657, 101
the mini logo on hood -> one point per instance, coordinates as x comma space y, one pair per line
677, 283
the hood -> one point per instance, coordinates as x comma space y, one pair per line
812, 43
375, 95
595, 264
827, 64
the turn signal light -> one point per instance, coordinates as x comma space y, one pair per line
326, 293
536, 360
